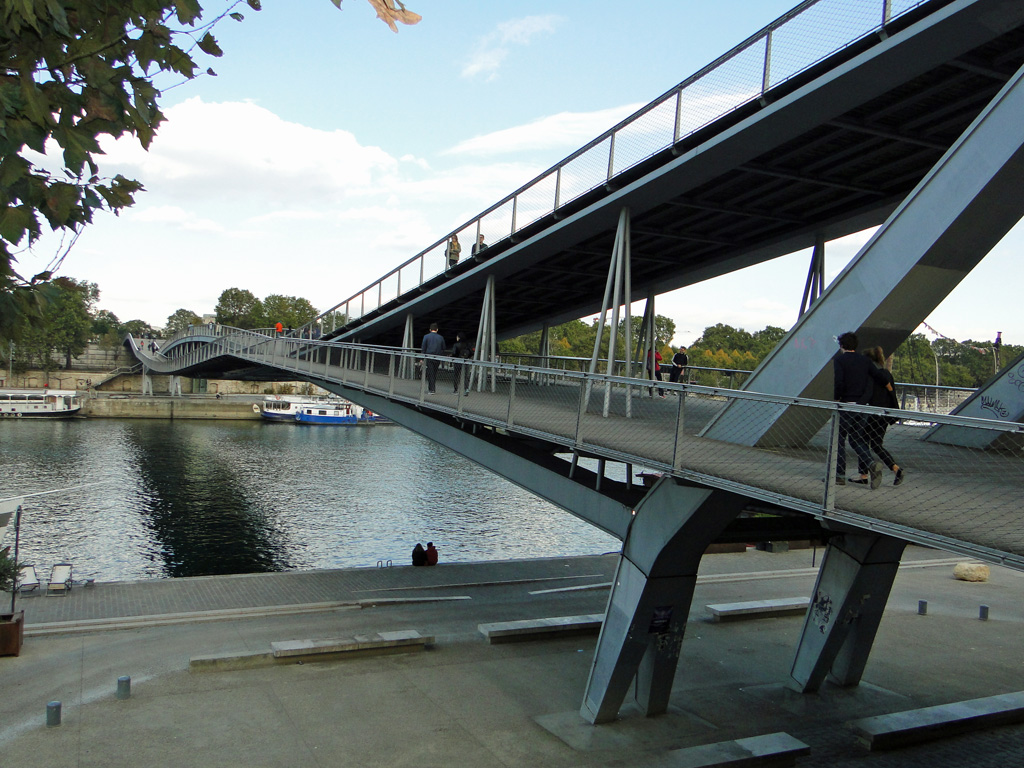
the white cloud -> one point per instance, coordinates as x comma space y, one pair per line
491, 50
565, 130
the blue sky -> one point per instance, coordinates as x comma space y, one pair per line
329, 150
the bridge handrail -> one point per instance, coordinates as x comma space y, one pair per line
768, 68
264, 346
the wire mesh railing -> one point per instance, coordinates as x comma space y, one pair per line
965, 497
806, 35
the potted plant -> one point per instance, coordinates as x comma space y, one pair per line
12, 625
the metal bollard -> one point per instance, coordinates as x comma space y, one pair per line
922, 607
983, 613
52, 714
124, 687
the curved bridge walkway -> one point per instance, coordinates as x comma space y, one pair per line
516, 419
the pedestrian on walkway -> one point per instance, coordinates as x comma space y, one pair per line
875, 424
462, 350
479, 246
679, 363
854, 383
654, 359
431, 553
433, 344
452, 251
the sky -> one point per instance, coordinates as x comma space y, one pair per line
328, 150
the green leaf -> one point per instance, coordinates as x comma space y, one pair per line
14, 222
237, 16
187, 10
60, 19
255, 5
337, 4
209, 45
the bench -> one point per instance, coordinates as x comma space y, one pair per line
535, 629
914, 726
759, 609
287, 651
404, 639
772, 749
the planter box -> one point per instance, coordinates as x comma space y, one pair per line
12, 633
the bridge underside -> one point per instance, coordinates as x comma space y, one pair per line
827, 153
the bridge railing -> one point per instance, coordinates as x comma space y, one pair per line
809, 33
951, 492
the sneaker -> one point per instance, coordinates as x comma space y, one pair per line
876, 475
858, 480
431, 392
840, 481
899, 477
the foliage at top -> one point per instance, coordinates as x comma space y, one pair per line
71, 73
241, 309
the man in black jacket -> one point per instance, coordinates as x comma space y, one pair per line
854, 383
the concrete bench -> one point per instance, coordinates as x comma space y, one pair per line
405, 639
914, 726
398, 641
535, 629
759, 609
772, 749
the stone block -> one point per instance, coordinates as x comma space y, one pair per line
971, 572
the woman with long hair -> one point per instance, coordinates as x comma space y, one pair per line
883, 397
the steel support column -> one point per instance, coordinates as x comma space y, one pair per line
853, 586
486, 338
643, 627
617, 291
946, 225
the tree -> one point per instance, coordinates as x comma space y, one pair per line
104, 322
71, 72
65, 325
139, 329
240, 308
180, 320
288, 310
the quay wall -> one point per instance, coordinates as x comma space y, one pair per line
169, 408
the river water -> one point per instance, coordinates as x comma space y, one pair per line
193, 498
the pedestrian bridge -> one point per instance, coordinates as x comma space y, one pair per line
837, 117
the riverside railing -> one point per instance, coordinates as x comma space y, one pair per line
967, 499
809, 33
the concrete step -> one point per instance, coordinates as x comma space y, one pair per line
914, 726
772, 749
759, 609
535, 629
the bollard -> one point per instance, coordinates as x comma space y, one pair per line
922, 607
983, 613
52, 714
124, 687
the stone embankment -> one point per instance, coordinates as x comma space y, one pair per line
164, 407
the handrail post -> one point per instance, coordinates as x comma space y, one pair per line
611, 157
391, 374
767, 73
558, 189
369, 365
679, 117
828, 502
582, 409
677, 454
515, 206
511, 396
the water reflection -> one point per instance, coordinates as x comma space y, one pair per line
196, 498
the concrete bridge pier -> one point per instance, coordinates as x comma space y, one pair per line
650, 600
850, 594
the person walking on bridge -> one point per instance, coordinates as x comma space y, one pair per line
679, 363
479, 246
433, 344
875, 425
452, 251
855, 378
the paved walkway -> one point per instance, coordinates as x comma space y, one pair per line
466, 703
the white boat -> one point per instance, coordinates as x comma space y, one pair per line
35, 403
316, 410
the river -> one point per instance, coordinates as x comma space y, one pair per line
194, 498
